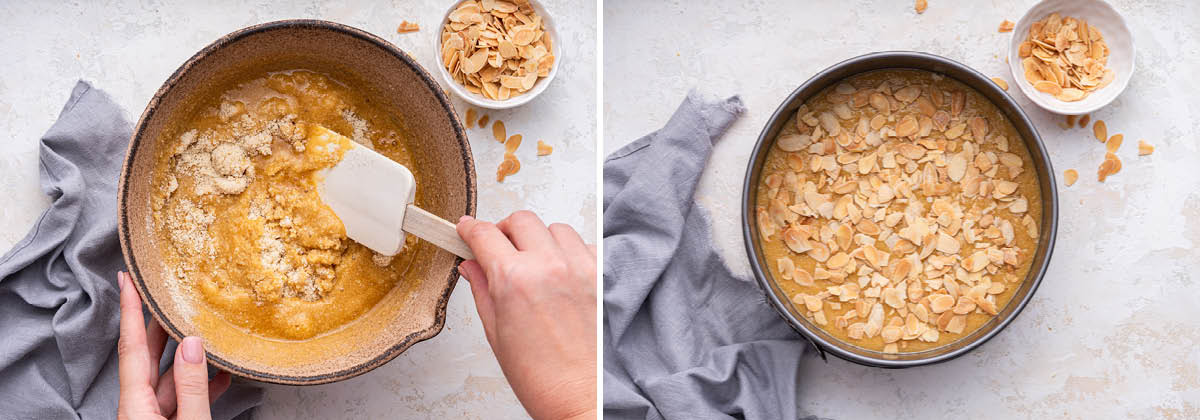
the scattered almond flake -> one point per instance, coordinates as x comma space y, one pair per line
1100, 130
1005, 26
1110, 166
1070, 176
1114, 143
511, 145
921, 5
484, 120
470, 117
1064, 57
544, 149
902, 200
1083, 120
406, 27
1144, 148
1116, 162
1000, 82
509, 166
497, 49
1071, 121
498, 131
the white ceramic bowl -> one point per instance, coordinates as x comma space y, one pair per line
1116, 34
515, 101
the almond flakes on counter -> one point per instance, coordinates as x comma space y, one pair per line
406, 27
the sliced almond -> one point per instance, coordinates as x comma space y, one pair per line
957, 324
498, 131
1048, 87
941, 303
957, 167
786, 267
964, 306
793, 142
470, 117
802, 277
1070, 176
1100, 130
987, 305
1114, 143
907, 127
544, 149
1144, 148
406, 27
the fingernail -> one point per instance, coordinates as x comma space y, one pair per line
121, 280
465, 218
193, 349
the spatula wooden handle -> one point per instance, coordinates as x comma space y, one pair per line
436, 230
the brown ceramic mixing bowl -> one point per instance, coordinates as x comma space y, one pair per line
415, 309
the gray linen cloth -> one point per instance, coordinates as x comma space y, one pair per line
59, 302
684, 337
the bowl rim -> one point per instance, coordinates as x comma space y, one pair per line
479, 100
137, 137
828, 77
1016, 37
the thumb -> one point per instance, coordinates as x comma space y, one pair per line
191, 380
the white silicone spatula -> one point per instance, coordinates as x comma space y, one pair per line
373, 195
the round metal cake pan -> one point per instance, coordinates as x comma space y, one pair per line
827, 343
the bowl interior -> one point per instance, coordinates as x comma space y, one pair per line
483, 101
1116, 34
415, 309
909, 60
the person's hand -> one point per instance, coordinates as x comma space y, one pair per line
184, 392
535, 289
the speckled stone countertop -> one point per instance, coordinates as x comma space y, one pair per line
129, 49
1113, 330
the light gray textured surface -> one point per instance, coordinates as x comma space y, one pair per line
1112, 331
129, 49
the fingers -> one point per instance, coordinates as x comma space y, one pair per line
487, 242
527, 231
132, 355
165, 392
156, 339
218, 385
483, 299
592, 249
569, 240
191, 380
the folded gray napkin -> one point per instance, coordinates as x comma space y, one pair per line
684, 337
59, 302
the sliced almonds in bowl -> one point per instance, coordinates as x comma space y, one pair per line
496, 49
1065, 57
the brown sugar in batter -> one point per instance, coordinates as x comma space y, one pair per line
239, 219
